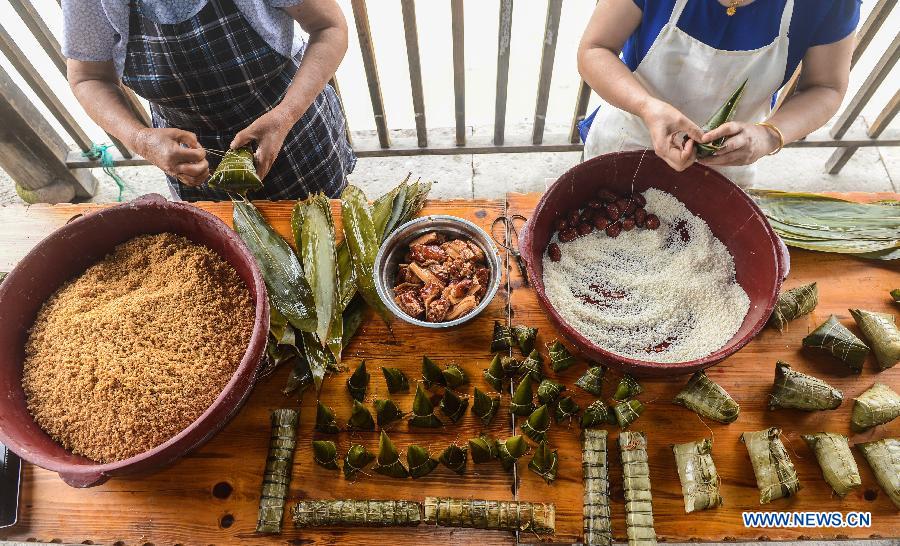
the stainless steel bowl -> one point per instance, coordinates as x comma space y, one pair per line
394, 249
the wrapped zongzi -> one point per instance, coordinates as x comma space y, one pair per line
877, 406
794, 303
236, 173
708, 399
775, 473
884, 458
638, 499
835, 459
798, 390
837, 340
697, 472
882, 333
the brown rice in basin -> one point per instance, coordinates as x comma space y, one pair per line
132, 351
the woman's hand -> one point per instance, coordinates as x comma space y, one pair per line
746, 143
176, 152
268, 131
668, 127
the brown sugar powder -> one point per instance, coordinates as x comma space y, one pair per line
128, 354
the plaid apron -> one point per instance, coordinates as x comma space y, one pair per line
214, 75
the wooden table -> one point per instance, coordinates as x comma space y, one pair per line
211, 496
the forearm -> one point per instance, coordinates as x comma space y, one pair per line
806, 111
324, 53
609, 77
106, 104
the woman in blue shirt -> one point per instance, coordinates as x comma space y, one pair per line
681, 59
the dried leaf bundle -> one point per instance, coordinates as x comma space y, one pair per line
420, 462
510, 450
627, 412
358, 382
485, 406
454, 457
356, 513
537, 424
697, 472
487, 514
705, 397
882, 333
521, 402
357, 458
549, 390
794, 303
503, 338
396, 380
386, 412
544, 462
835, 459
387, 461
325, 421
793, 389
638, 499
454, 405
597, 519
533, 366
566, 408
236, 173
277, 476
560, 357
325, 454
592, 380
830, 224
597, 414
493, 374
423, 411
834, 338
360, 418
628, 387
525, 337
774, 471
884, 458
484, 449
877, 406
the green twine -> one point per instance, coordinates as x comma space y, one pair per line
99, 151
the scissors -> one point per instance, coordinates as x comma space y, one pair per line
511, 239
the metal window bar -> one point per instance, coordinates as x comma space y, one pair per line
411, 33
50, 45
367, 49
504, 37
459, 69
548, 53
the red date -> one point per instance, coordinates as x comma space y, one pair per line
554, 252
574, 218
584, 228
560, 224
567, 235
594, 204
639, 199
600, 222
652, 221
613, 230
612, 212
628, 224
640, 215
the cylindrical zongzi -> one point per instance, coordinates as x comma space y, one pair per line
487, 514
835, 459
356, 513
596, 516
638, 499
774, 471
277, 476
697, 472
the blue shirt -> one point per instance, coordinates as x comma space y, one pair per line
814, 22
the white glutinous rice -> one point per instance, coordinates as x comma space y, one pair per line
665, 295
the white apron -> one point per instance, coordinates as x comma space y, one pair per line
696, 79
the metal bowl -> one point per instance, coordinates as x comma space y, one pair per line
394, 249
761, 260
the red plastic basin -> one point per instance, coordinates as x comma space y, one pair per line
760, 258
66, 253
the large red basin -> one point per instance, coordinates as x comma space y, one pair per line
760, 258
68, 252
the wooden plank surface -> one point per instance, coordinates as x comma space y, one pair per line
177, 504
747, 375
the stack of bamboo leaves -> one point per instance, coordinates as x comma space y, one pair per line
318, 294
830, 224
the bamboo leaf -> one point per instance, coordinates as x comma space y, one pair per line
724, 114
358, 382
320, 265
236, 173
525, 337
286, 284
566, 408
363, 244
537, 424
560, 357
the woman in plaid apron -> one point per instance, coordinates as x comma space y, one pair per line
214, 83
